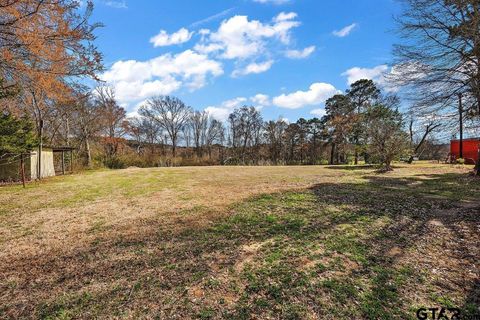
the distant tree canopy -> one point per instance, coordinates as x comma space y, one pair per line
16, 135
47, 46
367, 120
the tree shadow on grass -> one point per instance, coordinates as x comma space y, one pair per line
339, 250
351, 167
428, 226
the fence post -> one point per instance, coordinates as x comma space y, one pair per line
22, 169
63, 162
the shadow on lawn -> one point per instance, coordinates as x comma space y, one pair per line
338, 250
351, 167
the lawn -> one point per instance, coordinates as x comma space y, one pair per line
242, 243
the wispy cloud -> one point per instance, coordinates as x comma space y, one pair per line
345, 31
277, 2
253, 68
212, 17
300, 54
116, 4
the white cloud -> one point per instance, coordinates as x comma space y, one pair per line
320, 112
136, 80
300, 54
261, 100
164, 39
345, 31
134, 113
253, 68
249, 41
317, 94
277, 2
376, 74
240, 38
116, 4
222, 112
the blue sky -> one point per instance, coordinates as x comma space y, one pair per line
284, 56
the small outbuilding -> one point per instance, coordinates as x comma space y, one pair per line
470, 150
35, 167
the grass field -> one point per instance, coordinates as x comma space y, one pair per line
241, 243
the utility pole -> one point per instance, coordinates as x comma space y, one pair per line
460, 114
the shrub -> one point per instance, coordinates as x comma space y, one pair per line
115, 163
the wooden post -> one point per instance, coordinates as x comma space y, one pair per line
39, 158
71, 161
477, 164
63, 162
22, 169
460, 113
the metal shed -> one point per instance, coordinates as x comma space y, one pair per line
469, 150
33, 166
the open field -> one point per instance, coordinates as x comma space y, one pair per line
241, 243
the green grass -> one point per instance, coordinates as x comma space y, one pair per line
349, 244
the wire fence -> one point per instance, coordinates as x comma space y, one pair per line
14, 158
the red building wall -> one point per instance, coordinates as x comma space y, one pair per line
470, 149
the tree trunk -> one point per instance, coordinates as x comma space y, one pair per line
332, 154
40, 147
410, 129
89, 153
429, 129
388, 166
22, 168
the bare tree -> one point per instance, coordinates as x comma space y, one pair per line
274, 137
199, 124
171, 113
215, 134
112, 117
86, 123
440, 55
438, 60
428, 129
245, 125
146, 131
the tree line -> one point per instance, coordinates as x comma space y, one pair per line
47, 50
362, 124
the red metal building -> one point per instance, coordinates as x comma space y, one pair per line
470, 149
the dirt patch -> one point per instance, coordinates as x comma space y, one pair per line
247, 254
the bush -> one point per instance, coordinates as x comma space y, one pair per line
461, 161
115, 163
